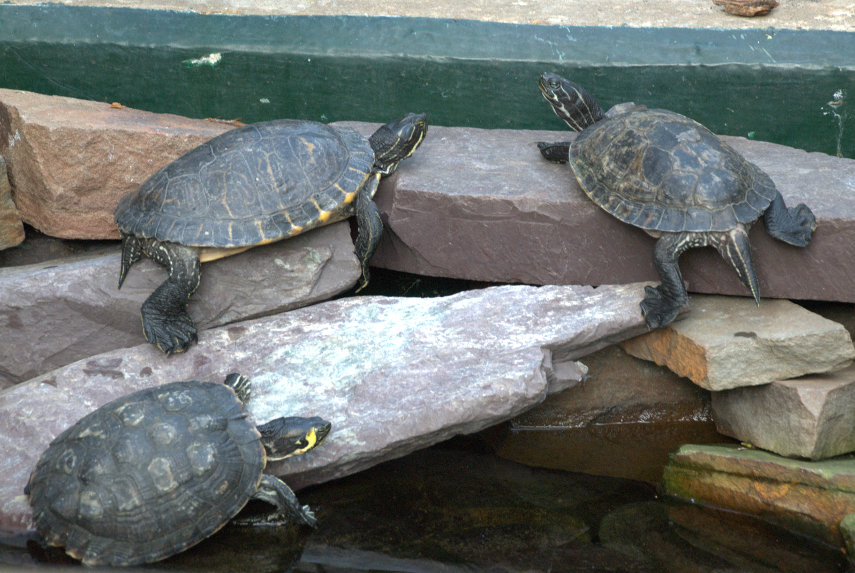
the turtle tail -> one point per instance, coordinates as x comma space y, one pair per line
737, 251
131, 253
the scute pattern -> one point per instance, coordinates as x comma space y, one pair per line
252, 185
662, 171
167, 467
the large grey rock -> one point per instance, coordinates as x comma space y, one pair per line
484, 205
727, 342
392, 375
809, 417
57, 312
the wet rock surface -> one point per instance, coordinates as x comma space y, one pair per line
622, 421
11, 227
71, 160
60, 311
725, 343
804, 496
809, 417
392, 375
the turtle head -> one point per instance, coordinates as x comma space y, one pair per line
292, 436
396, 141
570, 101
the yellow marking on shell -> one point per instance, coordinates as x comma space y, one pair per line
323, 216
310, 147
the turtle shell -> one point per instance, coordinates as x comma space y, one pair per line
251, 185
662, 171
147, 475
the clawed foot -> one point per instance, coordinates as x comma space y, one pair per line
658, 310
804, 224
558, 152
171, 334
305, 516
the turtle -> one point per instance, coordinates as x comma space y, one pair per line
156, 471
672, 177
251, 186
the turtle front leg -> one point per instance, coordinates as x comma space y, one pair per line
661, 304
288, 509
558, 152
791, 225
166, 323
369, 225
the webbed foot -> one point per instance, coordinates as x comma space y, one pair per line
793, 225
171, 332
658, 309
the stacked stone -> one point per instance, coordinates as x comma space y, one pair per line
780, 376
782, 380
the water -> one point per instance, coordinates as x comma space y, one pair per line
458, 507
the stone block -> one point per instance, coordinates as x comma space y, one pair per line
811, 498
622, 420
71, 160
392, 375
59, 311
11, 227
729, 342
810, 417
484, 205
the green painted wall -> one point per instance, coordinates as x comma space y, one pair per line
770, 85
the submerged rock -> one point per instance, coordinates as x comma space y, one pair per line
64, 310
811, 498
392, 374
725, 343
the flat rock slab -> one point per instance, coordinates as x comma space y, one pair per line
726, 342
484, 205
808, 497
71, 160
57, 312
810, 417
392, 375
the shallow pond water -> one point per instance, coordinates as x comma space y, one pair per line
459, 507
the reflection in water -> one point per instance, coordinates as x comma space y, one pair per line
458, 507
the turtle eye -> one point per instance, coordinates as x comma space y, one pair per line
553, 84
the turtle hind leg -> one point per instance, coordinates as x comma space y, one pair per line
662, 303
166, 323
370, 228
792, 225
558, 152
288, 509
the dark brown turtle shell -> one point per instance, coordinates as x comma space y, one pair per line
662, 171
252, 185
147, 475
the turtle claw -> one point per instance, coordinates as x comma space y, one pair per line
171, 334
658, 310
